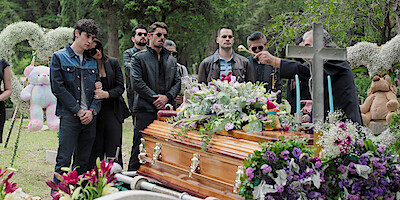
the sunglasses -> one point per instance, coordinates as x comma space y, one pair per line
255, 48
160, 34
229, 36
174, 53
140, 34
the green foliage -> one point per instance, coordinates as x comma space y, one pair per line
363, 83
8, 103
347, 21
8, 13
394, 128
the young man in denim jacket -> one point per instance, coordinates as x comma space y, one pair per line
73, 75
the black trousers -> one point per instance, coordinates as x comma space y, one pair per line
108, 136
2, 119
141, 121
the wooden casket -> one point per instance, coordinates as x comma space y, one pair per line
179, 162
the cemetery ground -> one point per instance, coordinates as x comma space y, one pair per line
33, 168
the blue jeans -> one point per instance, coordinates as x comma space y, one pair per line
75, 139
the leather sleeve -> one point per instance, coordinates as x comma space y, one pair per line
202, 76
176, 86
139, 85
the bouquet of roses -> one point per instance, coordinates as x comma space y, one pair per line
367, 172
93, 184
283, 170
223, 105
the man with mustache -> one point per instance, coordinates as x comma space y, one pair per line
139, 39
225, 61
156, 82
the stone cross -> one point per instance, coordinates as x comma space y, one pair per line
317, 53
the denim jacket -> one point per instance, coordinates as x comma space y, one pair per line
66, 71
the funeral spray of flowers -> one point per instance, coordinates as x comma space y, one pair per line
223, 105
283, 170
93, 184
7, 188
368, 171
337, 138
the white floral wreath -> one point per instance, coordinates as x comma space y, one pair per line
378, 59
45, 43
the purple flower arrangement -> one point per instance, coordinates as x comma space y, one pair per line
286, 170
368, 172
283, 170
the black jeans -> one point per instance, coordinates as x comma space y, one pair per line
141, 121
74, 139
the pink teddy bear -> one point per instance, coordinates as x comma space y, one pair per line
39, 93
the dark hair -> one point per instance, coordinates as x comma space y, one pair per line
156, 25
140, 26
256, 36
86, 25
223, 27
99, 46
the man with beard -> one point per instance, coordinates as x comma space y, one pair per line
139, 39
156, 82
225, 61
344, 91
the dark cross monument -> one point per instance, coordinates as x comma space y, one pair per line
317, 53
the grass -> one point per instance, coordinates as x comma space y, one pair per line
33, 169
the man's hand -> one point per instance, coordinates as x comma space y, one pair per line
98, 85
178, 100
86, 117
101, 94
160, 101
264, 57
308, 107
306, 118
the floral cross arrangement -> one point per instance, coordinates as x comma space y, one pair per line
93, 184
223, 105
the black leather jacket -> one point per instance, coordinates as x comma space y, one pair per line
128, 54
145, 71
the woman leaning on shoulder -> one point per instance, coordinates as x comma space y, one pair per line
113, 108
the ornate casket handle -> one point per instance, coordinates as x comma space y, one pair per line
195, 164
239, 173
157, 153
142, 151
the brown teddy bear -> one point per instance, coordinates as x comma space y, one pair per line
381, 103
